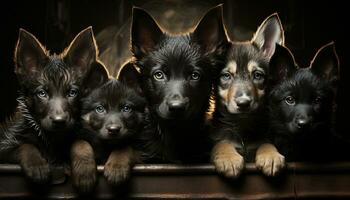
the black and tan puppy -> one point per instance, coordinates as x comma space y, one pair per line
302, 105
48, 104
112, 115
176, 76
239, 121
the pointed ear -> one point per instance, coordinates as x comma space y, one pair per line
282, 64
95, 77
82, 51
129, 75
210, 31
30, 55
325, 64
145, 33
269, 33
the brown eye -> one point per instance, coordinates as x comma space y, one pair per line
290, 100
158, 75
195, 76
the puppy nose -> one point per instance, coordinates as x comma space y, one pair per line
302, 122
177, 103
59, 120
243, 102
113, 129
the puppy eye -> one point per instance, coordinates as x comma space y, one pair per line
72, 92
42, 93
195, 76
317, 100
225, 76
290, 100
158, 75
257, 75
100, 109
126, 108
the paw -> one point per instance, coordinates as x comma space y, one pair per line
84, 176
36, 169
229, 164
116, 173
270, 163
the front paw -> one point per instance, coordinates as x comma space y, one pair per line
270, 163
84, 176
36, 169
229, 164
116, 172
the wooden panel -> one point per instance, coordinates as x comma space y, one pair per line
300, 180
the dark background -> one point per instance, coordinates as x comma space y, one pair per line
308, 26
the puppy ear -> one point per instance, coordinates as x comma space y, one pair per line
30, 55
282, 64
95, 77
82, 51
145, 33
210, 32
325, 63
129, 75
268, 34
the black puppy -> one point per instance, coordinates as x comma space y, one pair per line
302, 104
239, 121
48, 104
112, 115
176, 75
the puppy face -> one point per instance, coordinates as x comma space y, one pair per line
176, 71
303, 98
51, 84
113, 111
243, 80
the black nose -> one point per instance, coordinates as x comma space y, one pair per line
59, 120
113, 129
243, 102
302, 122
177, 103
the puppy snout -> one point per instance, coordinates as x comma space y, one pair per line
243, 102
302, 122
113, 129
177, 103
59, 120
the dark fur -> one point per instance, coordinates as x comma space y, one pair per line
240, 114
112, 116
304, 131
178, 102
48, 105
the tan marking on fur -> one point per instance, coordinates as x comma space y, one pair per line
269, 160
83, 166
252, 66
86, 118
232, 67
118, 166
226, 159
